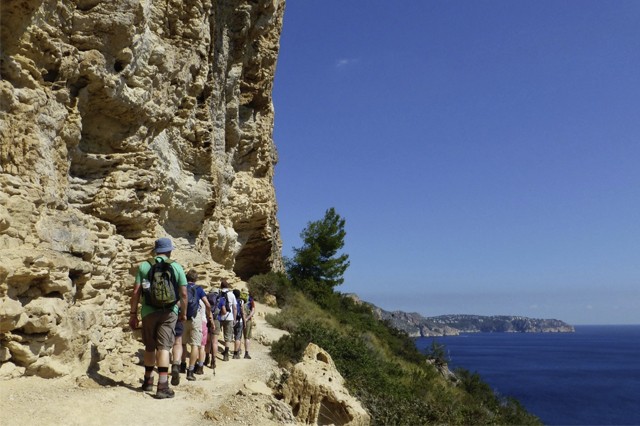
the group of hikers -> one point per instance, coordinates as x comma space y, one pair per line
178, 316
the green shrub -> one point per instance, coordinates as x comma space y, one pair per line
383, 368
273, 283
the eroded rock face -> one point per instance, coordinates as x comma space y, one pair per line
122, 121
315, 391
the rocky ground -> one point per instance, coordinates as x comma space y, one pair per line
237, 394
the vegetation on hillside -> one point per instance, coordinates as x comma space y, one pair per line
381, 365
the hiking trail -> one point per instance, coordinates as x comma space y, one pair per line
236, 395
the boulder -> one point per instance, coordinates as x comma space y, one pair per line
315, 391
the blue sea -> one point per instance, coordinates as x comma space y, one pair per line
590, 377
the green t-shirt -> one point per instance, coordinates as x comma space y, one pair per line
143, 270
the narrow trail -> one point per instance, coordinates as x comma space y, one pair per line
236, 394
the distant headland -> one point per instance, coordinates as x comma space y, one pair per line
451, 325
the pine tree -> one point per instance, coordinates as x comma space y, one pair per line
317, 267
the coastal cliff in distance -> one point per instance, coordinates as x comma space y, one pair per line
450, 325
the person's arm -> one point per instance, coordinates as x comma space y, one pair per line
234, 309
133, 311
183, 303
207, 306
252, 305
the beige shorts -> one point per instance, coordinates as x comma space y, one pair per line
192, 332
227, 330
248, 329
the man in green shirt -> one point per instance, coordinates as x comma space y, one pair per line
158, 324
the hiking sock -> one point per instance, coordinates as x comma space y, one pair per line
163, 374
148, 370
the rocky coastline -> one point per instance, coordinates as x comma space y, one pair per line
416, 325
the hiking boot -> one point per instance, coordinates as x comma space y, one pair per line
246, 355
236, 356
226, 356
199, 369
206, 359
190, 375
165, 392
147, 384
183, 367
175, 374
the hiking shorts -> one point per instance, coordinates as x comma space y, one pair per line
237, 331
192, 332
227, 330
248, 328
205, 334
158, 330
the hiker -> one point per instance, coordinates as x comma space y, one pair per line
214, 329
249, 312
193, 325
227, 317
205, 335
163, 286
238, 326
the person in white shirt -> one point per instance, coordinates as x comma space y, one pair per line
227, 317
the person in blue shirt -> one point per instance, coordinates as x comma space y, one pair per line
193, 326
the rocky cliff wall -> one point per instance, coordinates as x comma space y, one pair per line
122, 121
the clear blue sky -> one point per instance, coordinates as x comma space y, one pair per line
485, 154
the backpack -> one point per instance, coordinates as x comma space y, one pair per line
163, 289
223, 304
212, 297
193, 304
248, 305
239, 310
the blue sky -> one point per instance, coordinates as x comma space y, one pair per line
483, 153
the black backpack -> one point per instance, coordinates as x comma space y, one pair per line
163, 291
193, 304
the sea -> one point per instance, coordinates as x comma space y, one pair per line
590, 377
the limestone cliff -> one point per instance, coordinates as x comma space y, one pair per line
122, 121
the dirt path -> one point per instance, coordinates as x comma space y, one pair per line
237, 394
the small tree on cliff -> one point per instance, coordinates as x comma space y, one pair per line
316, 267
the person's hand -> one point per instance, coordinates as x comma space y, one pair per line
182, 316
133, 321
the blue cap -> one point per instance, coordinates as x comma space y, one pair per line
164, 245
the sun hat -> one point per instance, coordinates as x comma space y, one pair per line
164, 245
